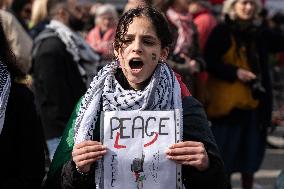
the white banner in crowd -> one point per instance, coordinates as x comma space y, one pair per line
136, 142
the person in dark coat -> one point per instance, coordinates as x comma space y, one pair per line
62, 64
138, 80
21, 135
239, 86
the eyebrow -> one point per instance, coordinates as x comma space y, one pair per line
144, 36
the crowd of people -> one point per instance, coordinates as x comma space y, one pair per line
64, 56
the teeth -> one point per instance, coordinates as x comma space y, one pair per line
136, 59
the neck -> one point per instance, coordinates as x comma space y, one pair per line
128, 86
139, 86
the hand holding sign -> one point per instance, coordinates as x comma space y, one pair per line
86, 153
189, 153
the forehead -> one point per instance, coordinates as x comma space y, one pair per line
141, 25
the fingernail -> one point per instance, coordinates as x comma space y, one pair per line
168, 151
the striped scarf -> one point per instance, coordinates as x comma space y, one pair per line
185, 31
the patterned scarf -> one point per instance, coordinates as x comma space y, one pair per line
5, 84
75, 44
185, 32
162, 93
87, 60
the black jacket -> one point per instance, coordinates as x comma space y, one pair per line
58, 84
263, 39
21, 142
196, 129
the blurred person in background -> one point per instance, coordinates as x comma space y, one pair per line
240, 100
204, 20
39, 18
88, 16
22, 9
185, 57
101, 37
21, 136
63, 65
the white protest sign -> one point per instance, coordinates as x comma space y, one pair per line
136, 142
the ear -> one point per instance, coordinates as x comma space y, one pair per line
164, 53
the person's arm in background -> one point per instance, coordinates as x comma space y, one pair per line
217, 45
205, 23
193, 60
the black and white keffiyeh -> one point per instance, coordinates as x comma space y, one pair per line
75, 44
162, 93
5, 84
78, 48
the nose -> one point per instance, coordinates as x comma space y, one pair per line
137, 46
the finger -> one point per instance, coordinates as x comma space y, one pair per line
185, 151
195, 163
88, 149
90, 155
87, 162
186, 144
252, 75
183, 158
87, 143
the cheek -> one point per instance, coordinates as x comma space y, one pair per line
121, 62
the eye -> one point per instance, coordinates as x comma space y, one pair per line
127, 40
149, 42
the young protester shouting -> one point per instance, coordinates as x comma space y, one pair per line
138, 79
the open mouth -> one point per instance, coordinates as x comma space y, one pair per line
136, 64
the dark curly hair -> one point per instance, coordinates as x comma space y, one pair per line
158, 20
